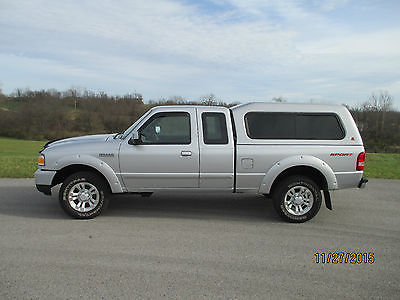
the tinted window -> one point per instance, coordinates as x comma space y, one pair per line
214, 128
270, 125
167, 128
320, 127
263, 125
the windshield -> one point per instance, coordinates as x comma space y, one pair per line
129, 130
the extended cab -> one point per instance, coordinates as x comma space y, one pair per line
292, 152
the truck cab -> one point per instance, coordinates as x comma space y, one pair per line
179, 147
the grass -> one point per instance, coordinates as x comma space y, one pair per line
9, 104
382, 165
18, 159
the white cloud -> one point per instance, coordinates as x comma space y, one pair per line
379, 43
248, 49
160, 27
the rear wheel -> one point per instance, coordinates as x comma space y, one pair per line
297, 199
83, 195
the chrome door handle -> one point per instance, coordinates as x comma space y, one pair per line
186, 153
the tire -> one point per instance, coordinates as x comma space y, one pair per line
83, 195
297, 199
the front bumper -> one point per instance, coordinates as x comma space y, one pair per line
44, 180
362, 183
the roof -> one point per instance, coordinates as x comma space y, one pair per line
288, 107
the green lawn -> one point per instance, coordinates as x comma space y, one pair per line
382, 165
18, 159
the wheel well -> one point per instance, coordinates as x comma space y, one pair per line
307, 171
62, 174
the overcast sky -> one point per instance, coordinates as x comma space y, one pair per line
241, 50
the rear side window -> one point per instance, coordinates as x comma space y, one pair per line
260, 125
214, 128
301, 126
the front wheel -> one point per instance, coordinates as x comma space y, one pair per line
83, 195
297, 199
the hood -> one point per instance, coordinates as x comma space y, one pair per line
80, 139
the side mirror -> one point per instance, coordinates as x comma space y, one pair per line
135, 139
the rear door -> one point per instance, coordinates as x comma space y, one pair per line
216, 148
168, 156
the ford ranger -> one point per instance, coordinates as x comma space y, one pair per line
292, 153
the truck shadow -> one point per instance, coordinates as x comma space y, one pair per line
194, 206
25, 201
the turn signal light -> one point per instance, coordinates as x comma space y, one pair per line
41, 160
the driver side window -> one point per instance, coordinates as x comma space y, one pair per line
166, 128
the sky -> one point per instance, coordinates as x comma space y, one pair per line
337, 51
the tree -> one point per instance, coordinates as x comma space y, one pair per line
177, 99
209, 99
378, 122
382, 102
2, 96
279, 99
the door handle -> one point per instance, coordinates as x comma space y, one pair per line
186, 153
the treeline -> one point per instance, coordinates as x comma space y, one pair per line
379, 123
51, 114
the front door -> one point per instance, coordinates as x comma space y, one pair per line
167, 156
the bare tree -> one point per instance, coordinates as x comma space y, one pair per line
382, 102
177, 99
2, 96
209, 99
19, 92
279, 99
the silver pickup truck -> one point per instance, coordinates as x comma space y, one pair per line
294, 153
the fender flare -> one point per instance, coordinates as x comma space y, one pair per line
95, 163
298, 161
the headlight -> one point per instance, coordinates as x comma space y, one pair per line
41, 160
